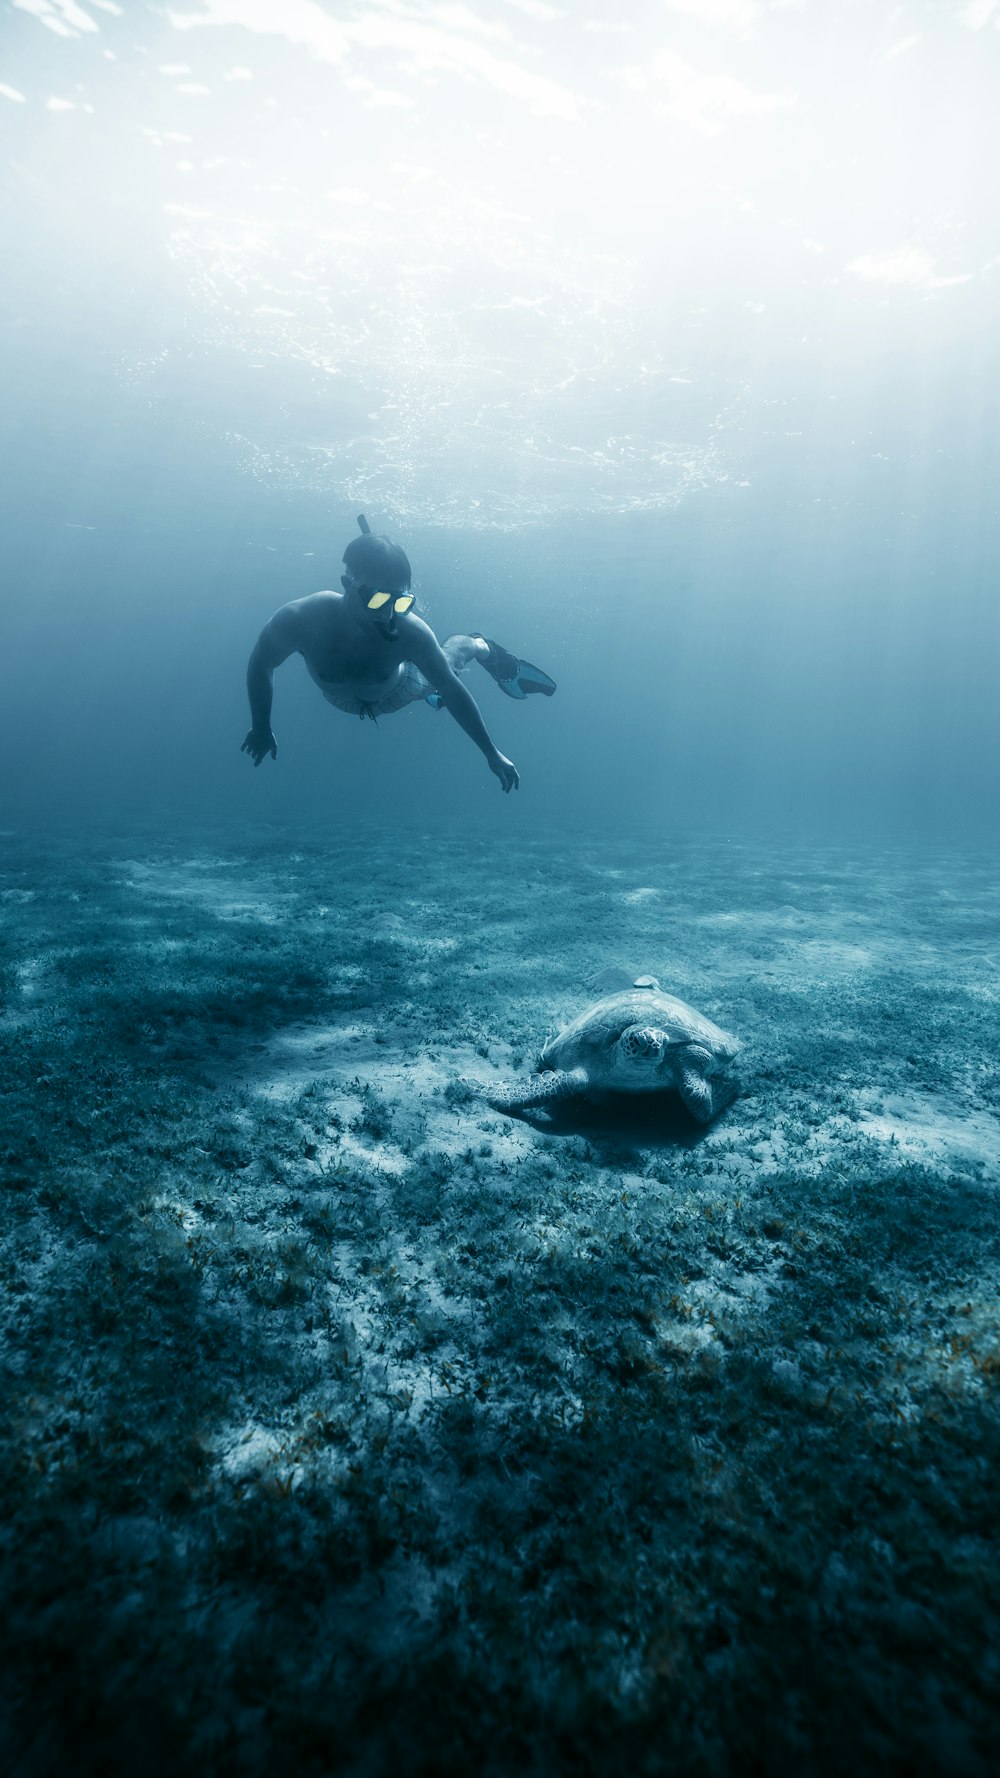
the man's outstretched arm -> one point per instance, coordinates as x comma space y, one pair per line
278, 639
461, 704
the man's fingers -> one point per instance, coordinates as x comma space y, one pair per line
257, 752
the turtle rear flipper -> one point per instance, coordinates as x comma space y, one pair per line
541, 1089
616, 980
611, 980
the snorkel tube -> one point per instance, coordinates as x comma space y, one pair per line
389, 628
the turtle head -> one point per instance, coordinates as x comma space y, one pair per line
642, 1046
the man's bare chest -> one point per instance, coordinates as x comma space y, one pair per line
335, 652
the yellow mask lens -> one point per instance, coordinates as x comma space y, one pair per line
401, 601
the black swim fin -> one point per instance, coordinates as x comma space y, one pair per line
517, 678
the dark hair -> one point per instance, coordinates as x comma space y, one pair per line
375, 562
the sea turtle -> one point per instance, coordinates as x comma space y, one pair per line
638, 1040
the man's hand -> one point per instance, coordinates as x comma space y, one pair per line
504, 769
260, 742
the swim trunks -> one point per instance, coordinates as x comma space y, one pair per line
406, 688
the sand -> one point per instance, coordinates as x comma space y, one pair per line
352, 1425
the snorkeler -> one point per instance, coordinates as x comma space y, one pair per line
370, 654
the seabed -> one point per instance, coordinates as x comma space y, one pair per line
351, 1426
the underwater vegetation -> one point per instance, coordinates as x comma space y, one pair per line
350, 1425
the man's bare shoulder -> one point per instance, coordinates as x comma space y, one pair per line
421, 642
309, 616
315, 605
297, 627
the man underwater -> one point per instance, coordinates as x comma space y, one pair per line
370, 654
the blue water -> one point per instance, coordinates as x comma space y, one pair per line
663, 342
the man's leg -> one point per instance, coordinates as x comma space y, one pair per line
461, 651
515, 677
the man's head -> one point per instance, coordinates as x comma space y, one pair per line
373, 564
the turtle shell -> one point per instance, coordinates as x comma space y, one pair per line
589, 1040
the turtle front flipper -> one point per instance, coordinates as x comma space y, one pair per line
704, 1098
696, 1093
541, 1089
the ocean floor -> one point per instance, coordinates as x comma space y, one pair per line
353, 1426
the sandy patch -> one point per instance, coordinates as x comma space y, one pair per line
922, 1131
